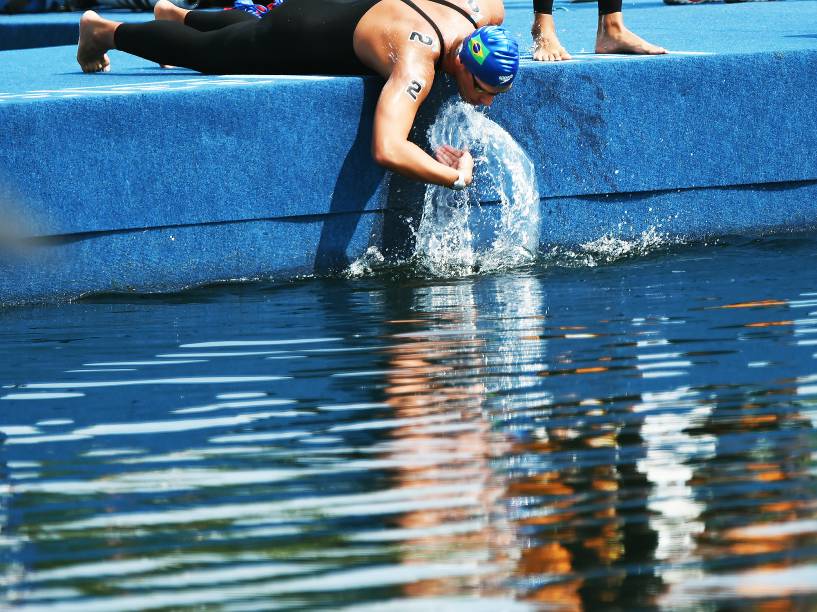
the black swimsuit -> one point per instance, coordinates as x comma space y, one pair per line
298, 37
605, 6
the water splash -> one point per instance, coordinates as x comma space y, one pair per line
610, 248
367, 264
494, 225
457, 237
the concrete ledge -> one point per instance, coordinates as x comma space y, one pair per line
150, 179
171, 259
160, 150
648, 124
686, 214
28, 31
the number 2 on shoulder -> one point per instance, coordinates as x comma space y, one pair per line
421, 38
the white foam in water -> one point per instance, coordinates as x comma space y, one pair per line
610, 248
366, 264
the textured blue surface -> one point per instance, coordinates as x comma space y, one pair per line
50, 29
164, 150
170, 259
667, 122
715, 139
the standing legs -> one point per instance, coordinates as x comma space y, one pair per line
611, 35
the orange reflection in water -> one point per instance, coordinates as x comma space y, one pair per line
579, 520
755, 304
578, 523
766, 523
443, 440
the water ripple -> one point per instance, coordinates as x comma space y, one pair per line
614, 437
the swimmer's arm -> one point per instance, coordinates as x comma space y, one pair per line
394, 115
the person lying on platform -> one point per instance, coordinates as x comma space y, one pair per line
611, 35
398, 39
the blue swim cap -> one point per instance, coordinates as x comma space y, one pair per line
491, 55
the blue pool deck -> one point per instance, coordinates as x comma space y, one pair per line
146, 179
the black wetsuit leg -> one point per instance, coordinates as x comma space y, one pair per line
206, 21
605, 6
609, 6
543, 6
298, 37
230, 50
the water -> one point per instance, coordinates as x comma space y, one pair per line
447, 242
617, 428
460, 232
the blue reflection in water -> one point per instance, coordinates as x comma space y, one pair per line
633, 435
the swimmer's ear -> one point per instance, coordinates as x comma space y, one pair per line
457, 59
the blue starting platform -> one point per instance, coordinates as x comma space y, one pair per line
32, 30
149, 179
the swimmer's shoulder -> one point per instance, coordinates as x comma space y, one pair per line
493, 12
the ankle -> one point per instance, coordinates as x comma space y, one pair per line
611, 23
103, 34
543, 24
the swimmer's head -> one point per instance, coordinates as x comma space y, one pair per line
492, 58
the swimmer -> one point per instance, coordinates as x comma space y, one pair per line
404, 41
611, 35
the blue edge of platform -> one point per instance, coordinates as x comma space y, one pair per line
151, 180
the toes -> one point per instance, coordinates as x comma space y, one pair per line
95, 66
652, 50
98, 64
543, 55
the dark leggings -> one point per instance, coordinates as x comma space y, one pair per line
605, 6
207, 21
213, 42
298, 37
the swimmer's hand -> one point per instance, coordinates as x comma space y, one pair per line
457, 159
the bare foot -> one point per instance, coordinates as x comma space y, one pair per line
164, 10
546, 45
613, 37
95, 38
167, 11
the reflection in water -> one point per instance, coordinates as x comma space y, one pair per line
618, 438
454, 356
761, 454
444, 439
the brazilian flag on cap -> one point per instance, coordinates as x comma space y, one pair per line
478, 49
491, 55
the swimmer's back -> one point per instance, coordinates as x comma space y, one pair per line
384, 33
